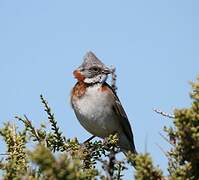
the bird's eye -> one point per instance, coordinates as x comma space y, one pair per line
94, 69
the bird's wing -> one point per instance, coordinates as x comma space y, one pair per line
124, 122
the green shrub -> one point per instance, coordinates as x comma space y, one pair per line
56, 157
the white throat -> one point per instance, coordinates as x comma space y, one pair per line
101, 78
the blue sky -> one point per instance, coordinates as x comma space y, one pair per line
153, 45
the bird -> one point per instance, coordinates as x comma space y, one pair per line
97, 106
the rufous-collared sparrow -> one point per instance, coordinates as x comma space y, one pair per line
96, 104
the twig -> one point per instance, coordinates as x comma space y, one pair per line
166, 139
89, 139
13, 131
51, 118
162, 150
4, 154
53, 121
111, 163
119, 171
28, 124
164, 113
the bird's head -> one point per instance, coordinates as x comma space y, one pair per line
92, 70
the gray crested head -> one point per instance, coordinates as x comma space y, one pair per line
92, 69
90, 60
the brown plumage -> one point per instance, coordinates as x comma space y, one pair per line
96, 104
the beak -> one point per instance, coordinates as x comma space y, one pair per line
107, 71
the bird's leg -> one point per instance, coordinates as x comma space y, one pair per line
89, 139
